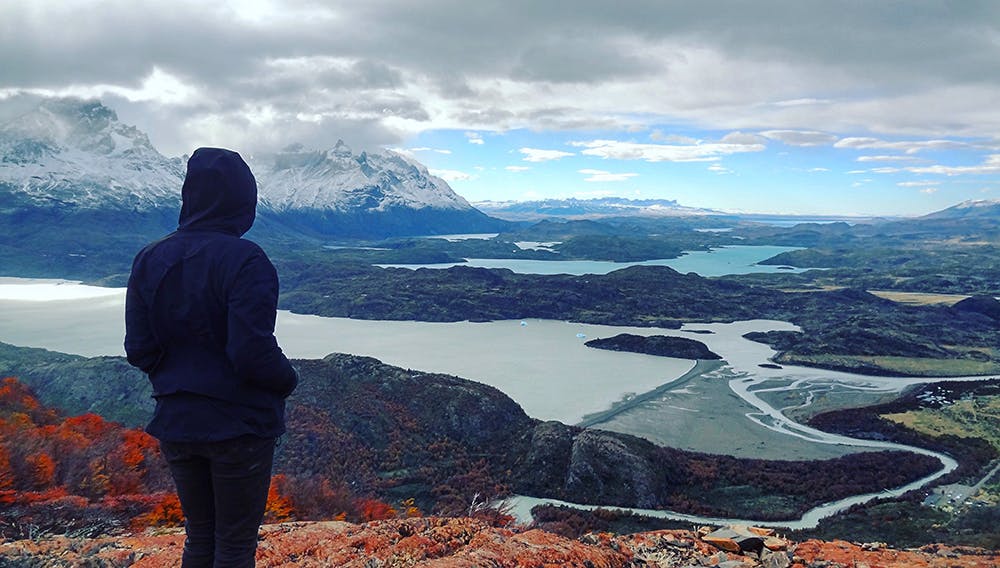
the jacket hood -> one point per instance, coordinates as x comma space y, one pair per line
219, 193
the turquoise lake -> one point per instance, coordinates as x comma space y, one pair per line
737, 259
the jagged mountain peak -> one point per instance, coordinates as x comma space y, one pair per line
77, 124
338, 179
68, 152
72, 156
342, 149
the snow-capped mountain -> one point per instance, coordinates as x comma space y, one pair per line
75, 154
975, 208
338, 192
73, 160
340, 180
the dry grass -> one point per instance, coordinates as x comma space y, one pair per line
919, 298
977, 417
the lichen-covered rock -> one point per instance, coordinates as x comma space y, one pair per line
436, 542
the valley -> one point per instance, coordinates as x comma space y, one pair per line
815, 324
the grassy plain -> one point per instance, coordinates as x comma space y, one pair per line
895, 365
919, 298
977, 417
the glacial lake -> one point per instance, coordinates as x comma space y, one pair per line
542, 364
735, 259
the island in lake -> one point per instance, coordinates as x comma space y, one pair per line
660, 345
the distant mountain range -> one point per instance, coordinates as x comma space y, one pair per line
588, 208
79, 188
73, 161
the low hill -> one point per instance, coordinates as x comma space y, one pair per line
371, 429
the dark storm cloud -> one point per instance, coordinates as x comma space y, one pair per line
714, 63
902, 40
118, 42
577, 61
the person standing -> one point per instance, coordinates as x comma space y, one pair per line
199, 321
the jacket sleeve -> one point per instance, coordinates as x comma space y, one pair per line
141, 347
250, 343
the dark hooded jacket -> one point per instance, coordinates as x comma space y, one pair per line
200, 312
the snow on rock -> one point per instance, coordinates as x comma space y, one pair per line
76, 153
340, 180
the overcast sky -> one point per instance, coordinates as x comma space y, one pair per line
866, 107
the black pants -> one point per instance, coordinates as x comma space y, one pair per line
222, 487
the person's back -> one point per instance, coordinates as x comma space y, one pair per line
200, 312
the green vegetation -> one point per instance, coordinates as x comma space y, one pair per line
973, 417
889, 365
959, 419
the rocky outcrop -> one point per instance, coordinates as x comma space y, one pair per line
469, 543
605, 465
591, 466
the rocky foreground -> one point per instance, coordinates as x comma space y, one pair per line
461, 543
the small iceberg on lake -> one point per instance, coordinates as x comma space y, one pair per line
581, 335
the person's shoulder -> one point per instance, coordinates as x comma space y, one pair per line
249, 246
244, 251
150, 247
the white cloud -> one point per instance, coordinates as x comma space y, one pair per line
601, 176
801, 137
719, 169
660, 136
517, 168
661, 152
426, 149
538, 155
452, 175
917, 183
159, 88
855, 172
815, 170
475, 138
532, 68
929, 190
886, 158
990, 166
803, 102
738, 137
907, 146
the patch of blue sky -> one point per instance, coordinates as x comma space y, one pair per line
767, 172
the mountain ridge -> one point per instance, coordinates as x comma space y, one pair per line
596, 208
67, 159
